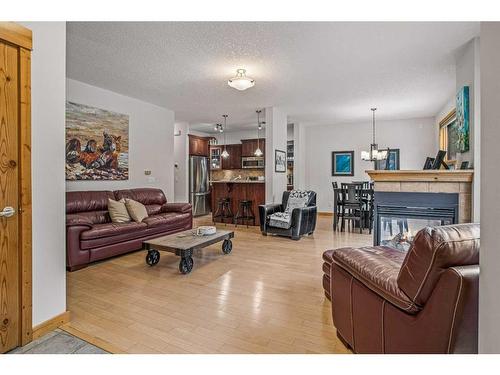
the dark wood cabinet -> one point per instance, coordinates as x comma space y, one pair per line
215, 157
198, 146
248, 146
233, 161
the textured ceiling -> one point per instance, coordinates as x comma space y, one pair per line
318, 73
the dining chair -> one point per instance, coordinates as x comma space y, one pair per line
352, 205
337, 209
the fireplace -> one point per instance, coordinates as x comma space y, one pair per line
400, 215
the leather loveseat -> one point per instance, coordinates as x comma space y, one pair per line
423, 301
91, 236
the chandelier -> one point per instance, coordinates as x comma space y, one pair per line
374, 153
224, 153
241, 82
258, 152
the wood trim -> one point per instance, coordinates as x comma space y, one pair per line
425, 175
25, 220
445, 121
443, 133
50, 325
330, 214
16, 34
94, 340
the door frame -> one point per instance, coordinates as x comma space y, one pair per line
21, 37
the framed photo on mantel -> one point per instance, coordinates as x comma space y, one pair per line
342, 163
391, 163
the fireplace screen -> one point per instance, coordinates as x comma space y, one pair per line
398, 232
400, 215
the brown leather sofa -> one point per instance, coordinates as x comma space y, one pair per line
91, 236
423, 301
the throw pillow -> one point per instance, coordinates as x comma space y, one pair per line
136, 210
118, 211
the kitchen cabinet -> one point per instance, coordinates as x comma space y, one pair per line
248, 146
215, 157
198, 146
233, 161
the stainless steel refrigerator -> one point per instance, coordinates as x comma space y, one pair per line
199, 186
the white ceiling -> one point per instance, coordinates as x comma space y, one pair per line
317, 72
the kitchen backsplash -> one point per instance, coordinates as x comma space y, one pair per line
229, 174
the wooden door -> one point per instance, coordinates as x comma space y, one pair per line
9, 193
15, 187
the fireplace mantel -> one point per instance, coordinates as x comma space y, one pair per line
423, 175
429, 181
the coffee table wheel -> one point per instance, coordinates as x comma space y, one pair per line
227, 246
153, 257
186, 265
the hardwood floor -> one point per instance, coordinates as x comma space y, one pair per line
265, 297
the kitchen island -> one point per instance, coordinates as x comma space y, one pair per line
238, 190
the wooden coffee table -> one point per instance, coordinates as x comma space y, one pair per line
183, 244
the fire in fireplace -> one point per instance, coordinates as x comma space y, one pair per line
400, 215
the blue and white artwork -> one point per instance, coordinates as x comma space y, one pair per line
343, 163
391, 163
462, 120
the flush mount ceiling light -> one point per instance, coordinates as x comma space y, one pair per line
241, 82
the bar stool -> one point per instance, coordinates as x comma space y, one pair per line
244, 213
223, 210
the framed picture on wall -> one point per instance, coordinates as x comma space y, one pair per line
342, 163
96, 143
279, 161
391, 163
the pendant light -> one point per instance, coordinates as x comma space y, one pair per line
225, 154
374, 153
258, 152
241, 82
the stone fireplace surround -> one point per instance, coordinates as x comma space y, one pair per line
429, 181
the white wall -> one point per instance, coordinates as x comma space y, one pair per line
467, 74
48, 75
233, 137
276, 128
299, 156
181, 145
489, 303
151, 139
414, 137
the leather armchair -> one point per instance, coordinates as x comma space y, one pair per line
423, 301
303, 219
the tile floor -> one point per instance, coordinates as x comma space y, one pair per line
58, 342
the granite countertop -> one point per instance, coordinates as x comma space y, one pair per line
237, 182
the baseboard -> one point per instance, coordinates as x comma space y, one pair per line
50, 325
94, 340
329, 214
